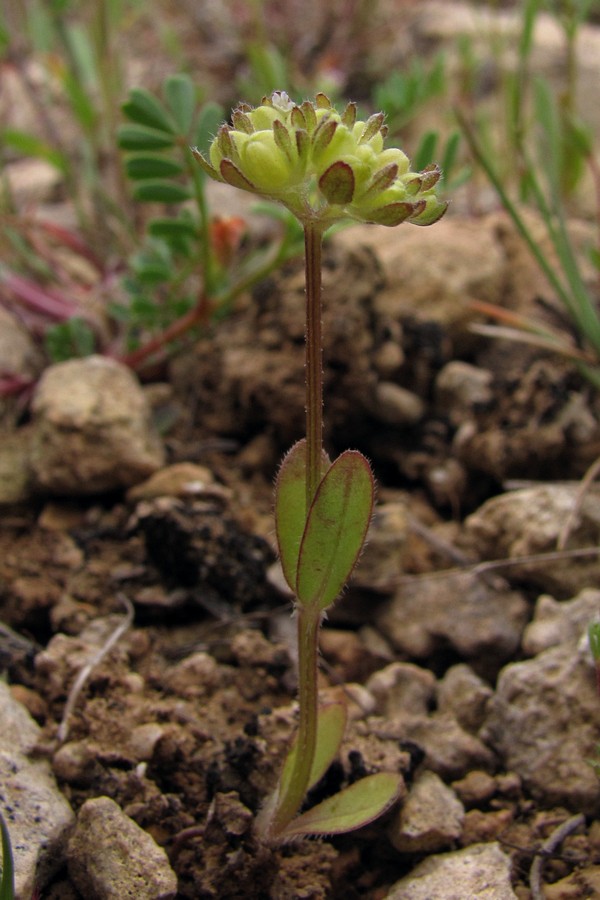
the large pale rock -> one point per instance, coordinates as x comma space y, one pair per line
93, 429
111, 857
464, 611
36, 813
544, 721
432, 273
481, 870
528, 522
430, 819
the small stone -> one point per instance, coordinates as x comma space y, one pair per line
476, 620
528, 522
449, 751
93, 430
388, 358
396, 405
464, 694
543, 721
180, 480
481, 870
195, 676
557, 623
37, 815
460, 388
76, 763
481, 826
346, 653
402, 687
143, 739
381, 563
110, 857
430, 819
475, 788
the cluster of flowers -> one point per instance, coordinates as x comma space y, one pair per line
323, 165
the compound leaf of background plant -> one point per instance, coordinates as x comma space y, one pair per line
335, 530
181, 98
7, 882
145, 109
152, 166
290, 508
355, 806
70, 339
331, 725
209, 119
159, 191
172, 228
139, 137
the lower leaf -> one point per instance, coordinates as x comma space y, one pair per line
357, 805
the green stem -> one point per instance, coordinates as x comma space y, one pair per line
308, 619
313, 241
289, 803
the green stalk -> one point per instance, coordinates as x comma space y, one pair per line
313, 241
308, 619
206, 252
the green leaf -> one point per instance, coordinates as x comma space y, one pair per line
594, 640
181, 97
157, 191
144, 108
30, 145
426, 150
7, 882
211, 116
355, 806
331, 725
151, 167
335, 530
68, 340
138, 137
290, 508
167, 228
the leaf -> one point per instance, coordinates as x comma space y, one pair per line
290, 508
7, 882
151, 167
331, 725
167, 228
355, 806
30, 145
335, 530
157, 191
210, 117
181, 97
143, 107
138, 137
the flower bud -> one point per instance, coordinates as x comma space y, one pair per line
323, 165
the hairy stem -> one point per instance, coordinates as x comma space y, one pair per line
313, 239
308, 620
289, 803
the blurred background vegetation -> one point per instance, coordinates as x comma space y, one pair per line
110, 239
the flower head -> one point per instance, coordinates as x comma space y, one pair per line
323, 165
